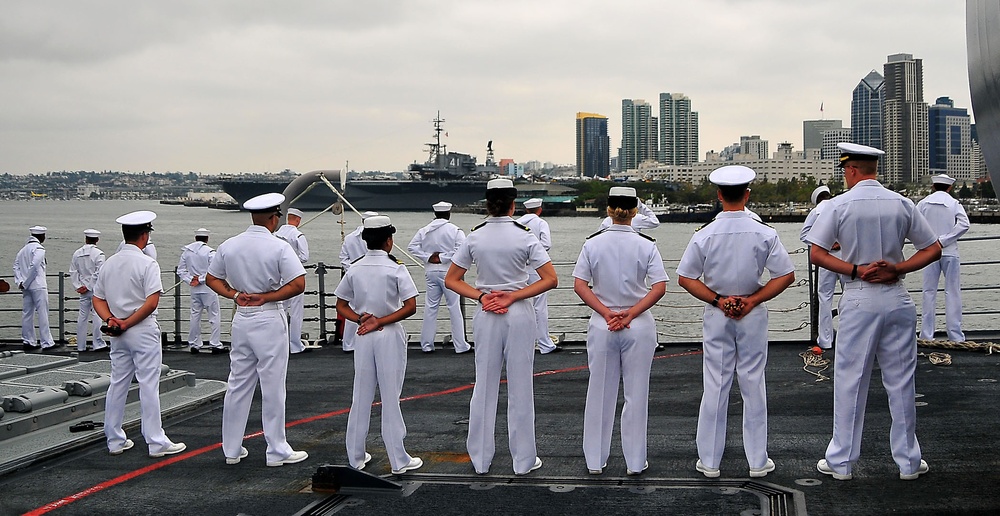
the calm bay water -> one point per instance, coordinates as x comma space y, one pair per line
678, 314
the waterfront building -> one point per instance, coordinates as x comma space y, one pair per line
812, 132
950, 145
786, 164
753, 146
593, 146
678, 130
867, 102
638, 134
830, 138
904, 121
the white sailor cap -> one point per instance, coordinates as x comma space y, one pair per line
817, 191
732, 175
442, 206
137, 218
494, 184
621, 191
849, 151
943, 179
533, 203
202, 232
295, 211
37, 230
369, 214
378, 221
264, 202
91, 233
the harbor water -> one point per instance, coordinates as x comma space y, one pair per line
678, 314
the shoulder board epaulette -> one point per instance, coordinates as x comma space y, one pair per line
597, 233
358, 258
764, 223
647, 237
522, 226
479, 226
703, 226
393, 258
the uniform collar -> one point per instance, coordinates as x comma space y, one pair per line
867, 183
621, 227
376, 252
499, 219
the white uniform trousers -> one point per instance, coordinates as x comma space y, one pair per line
740, 347
36, 301
540, 303
295, 307
432, 301
825, 287
138, 353
877, 322
625, 355
950, 266
259, 352
205, 301
88, 315
503, 338
379, 360
350, 333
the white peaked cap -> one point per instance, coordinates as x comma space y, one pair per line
264, 201
369, 214
732, 175
295, 211
136, 218
943, 179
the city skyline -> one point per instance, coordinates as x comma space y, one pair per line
232, 87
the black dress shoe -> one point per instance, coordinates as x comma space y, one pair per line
219, 351
194, 350
28, 348
348, 351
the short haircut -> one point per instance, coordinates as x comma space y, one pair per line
201, 238
499, 201
446, 215
132, 233
375, 238
732, 193
941, 187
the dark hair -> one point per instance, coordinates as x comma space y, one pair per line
623, 202
940, 187
499, 201
446, 215
132, 233
91, 240
375, 238
732, 193
201, 238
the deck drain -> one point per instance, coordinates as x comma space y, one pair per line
808, 482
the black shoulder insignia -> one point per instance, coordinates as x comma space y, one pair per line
705, 225
647, 237
357, 259
393, 258
764, 223
598, 233
522, 226
479, 226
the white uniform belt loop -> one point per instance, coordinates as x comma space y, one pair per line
277, 305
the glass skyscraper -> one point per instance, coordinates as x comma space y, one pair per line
950, 147
904, 120
638, 134
866, 110
592, 145
678, 130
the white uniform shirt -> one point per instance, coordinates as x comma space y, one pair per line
871, 224
440, 236
256, 261
734, 234
296, 239
353, 248
194, 261
644, 219
127, 278
376, 284
29, 265
84, 266
947, 218
149, 250
539, 227
621, 264
503, 252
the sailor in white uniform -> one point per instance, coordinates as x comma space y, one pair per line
259, 271
377, 293
877, 315
29, 276
149, 250
504, 329
621, 336
295, 306
644, 219
125, 297
83, 270
827, 282
352, 249
191, 268
540, 228
948, 219
722, 266
434, 245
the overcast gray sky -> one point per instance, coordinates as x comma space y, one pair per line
256, 86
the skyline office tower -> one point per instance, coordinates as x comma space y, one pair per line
638, 134
678, 130
950, 146
593, 146
904, 120
866, 112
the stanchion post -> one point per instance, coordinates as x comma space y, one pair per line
62, 308
177, 309
813, 298
321, 292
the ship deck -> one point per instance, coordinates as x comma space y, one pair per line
957, 418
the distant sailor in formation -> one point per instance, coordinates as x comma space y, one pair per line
621, 336
125, 297
503, 251
29, 276
191, 268
434, 245
644, 219
259, 271
352, 249
722, 266
877, 315
83, 271
948, 219
149, 250
533, 220
377, 293
295, 306
827, 282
